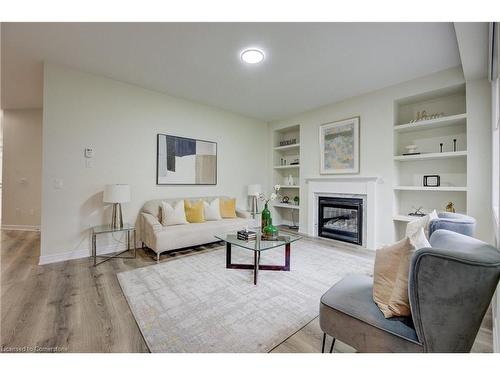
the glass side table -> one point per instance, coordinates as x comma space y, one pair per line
101, 229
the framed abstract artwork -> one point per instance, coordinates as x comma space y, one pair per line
339, 146
185, 161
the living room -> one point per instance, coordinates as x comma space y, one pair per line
239, 187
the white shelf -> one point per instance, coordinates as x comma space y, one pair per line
431, 156
405, 218
432, 124
427, 188
289, 187
287, 166
286, 205
287, 147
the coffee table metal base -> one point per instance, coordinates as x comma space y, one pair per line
257, 266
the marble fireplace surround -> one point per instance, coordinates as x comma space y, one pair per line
345, 187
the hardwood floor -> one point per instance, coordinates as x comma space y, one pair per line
75, 307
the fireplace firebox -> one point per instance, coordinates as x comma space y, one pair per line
341, 219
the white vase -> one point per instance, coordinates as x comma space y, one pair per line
290, 180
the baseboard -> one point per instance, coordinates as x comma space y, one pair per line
29, 228
62, 257
78, 254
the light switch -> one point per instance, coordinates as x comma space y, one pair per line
58, 183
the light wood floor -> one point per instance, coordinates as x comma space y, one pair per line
75, 307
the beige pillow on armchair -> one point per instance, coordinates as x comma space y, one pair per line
390, 287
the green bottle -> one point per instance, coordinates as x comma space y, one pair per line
270, 231
266, 217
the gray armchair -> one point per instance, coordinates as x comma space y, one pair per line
455, 222
450, 288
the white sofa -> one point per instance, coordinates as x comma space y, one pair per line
160, 239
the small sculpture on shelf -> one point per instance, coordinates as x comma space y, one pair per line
411, 150
422, 116
296, 200
450, 207
417, 212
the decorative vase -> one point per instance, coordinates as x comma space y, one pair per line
270, 231
290, 180
266, 217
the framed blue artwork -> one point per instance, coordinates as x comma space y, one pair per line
185, 161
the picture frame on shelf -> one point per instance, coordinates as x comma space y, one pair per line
339, 146
433, 180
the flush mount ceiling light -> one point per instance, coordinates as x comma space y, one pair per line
252, 56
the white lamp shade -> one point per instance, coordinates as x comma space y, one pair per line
117, 193
254, 190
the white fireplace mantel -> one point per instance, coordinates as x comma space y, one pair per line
343, 186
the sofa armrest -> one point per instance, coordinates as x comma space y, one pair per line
151, 222
243, 214
150, 226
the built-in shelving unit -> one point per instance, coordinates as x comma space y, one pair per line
287, 166
432, 124
428, 188
432, 156
287, 205
286, 214
448, 161
287, 147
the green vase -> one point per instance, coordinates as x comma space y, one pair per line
270, 231
266, 217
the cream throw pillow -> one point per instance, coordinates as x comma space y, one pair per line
212, 210
413, 227
173, 215
390, 280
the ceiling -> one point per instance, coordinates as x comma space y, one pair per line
307, 65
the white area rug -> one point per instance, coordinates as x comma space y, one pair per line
194, 304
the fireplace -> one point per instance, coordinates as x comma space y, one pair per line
341, 219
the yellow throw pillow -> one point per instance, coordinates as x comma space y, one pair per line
194, 211
228, 208
390, 278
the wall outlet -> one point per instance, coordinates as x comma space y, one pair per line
89, 163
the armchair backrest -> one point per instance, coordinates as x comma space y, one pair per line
450, 287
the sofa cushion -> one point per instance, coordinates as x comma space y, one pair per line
353, 296
194, 211
212, 210
173, 215
228, 208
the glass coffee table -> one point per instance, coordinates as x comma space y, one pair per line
257, 246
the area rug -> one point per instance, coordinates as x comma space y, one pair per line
194, 304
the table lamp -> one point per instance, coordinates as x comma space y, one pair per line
116, 194
253, 191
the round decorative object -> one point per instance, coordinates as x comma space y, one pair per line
285, 199
411, 149
270, 231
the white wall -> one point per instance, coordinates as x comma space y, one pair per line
376, 110
479, 157
22, 164
121, 121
